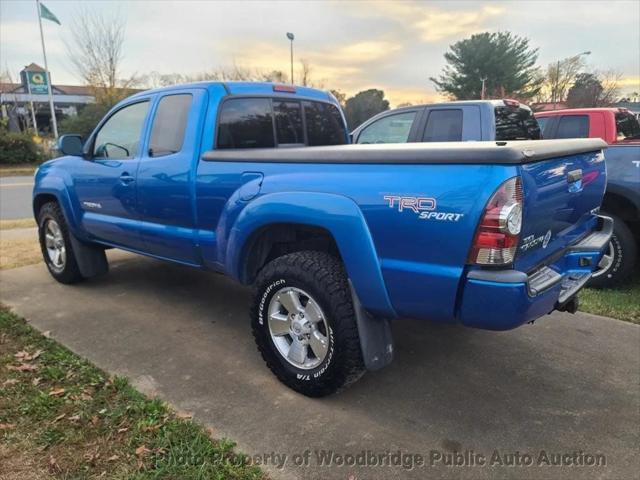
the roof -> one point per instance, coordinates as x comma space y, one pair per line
579, 110
82, 90
249, 88
33, 67
9, 87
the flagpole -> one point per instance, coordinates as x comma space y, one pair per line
54, 123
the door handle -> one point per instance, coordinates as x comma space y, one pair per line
126, 179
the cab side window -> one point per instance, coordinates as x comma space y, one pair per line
443, 126
119, 137
390, 129
169, 125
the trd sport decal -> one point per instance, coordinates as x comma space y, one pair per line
425, 207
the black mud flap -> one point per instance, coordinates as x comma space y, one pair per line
91, 260
376, 340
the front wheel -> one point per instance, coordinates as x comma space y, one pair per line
304, 323
55, 243
619, 258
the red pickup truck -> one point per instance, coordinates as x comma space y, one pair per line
621, 130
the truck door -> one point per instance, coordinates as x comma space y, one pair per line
106, 185
166, 176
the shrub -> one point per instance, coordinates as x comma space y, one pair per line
16, 148
86, 120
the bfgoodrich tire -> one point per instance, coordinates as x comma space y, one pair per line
55, 244
304, 323
619, 259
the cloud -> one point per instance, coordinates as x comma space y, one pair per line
438, 25
342, 67
432, 24
399, 96
629, 82
364, 52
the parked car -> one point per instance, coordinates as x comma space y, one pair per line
621, 130
335, 240
461, 121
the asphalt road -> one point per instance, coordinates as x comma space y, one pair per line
15, 197
567, 384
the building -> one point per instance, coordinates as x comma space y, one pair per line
17, 100
548, 106
629, 104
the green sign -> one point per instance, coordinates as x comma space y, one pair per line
37, 82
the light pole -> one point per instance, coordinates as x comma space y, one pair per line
557, 83
482, 94
291, 36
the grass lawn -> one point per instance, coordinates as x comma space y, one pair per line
14, 170
61, 416
18, 247
19, 223
622, 302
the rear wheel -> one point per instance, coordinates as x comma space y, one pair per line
304, 323
619, 257
55, 244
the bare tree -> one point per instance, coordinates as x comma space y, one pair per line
96, 52
559, 78
340, 96
610, 81
305, 73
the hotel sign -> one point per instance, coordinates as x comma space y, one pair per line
37, 82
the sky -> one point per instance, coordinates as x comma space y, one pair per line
350, 45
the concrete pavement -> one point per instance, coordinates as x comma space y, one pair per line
15, 197
567, 384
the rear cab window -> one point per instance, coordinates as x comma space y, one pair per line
627, 127
278, 122
516, 123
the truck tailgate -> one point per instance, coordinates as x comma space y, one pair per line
561, 196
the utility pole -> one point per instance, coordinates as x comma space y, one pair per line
33, 111
291, 37
483, 93
54, 123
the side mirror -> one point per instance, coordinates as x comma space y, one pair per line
70, 145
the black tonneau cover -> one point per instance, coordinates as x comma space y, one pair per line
510, 153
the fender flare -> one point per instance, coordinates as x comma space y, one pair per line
91, 259
337, 214
55, 186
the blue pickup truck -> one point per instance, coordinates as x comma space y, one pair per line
255, 180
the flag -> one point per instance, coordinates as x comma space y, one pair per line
46, 13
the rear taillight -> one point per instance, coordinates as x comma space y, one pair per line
498, 232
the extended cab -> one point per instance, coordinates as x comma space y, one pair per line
461, 121
621, 130
336, 240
